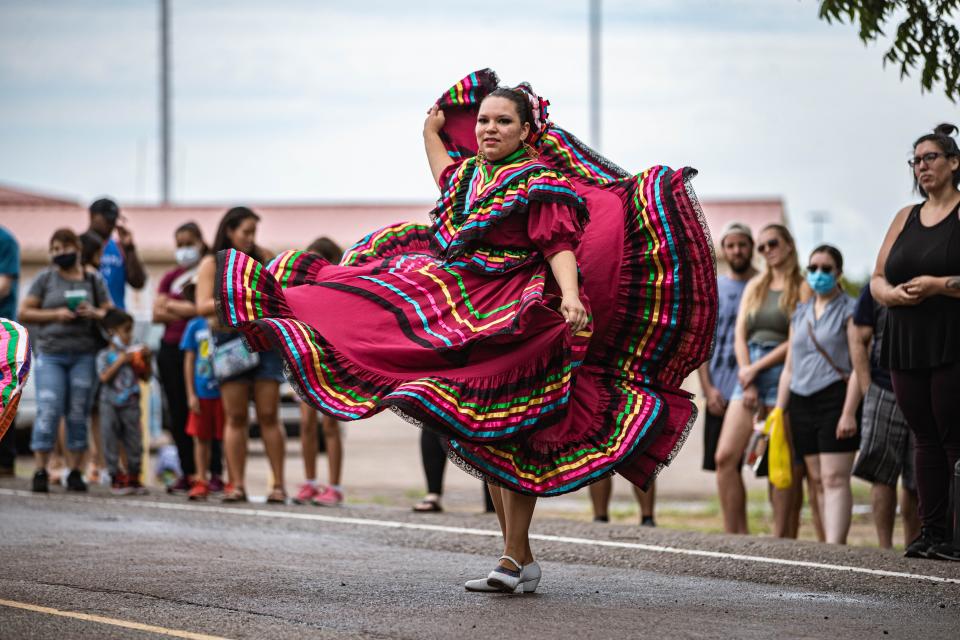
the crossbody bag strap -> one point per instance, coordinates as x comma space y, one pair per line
843, 374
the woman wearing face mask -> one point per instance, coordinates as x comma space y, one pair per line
62, 307
173, 311
813, 387
546, 345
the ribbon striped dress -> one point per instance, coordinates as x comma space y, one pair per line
455, 325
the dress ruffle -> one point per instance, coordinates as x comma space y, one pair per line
14, 369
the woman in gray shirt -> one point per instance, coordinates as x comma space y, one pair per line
62, 308
813, 386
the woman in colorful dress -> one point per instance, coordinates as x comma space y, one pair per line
546, 344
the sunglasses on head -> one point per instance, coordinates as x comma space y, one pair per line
772, 243
826, 268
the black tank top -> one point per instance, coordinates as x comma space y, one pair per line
926, 335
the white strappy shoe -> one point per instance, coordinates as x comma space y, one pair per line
528, 583
525, 579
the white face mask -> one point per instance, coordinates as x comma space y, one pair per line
187, 256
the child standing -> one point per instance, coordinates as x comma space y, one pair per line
120, 369
205, 420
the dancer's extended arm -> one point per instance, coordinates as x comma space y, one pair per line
437, 155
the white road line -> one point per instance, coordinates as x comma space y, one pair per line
393, 524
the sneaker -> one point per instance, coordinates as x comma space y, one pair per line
41, 482
199, 491
327, 497
216, 484
306, 493
182, 485
944, 551
136, 487
920, 547
119, 486
75, 481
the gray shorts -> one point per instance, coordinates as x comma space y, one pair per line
886, 444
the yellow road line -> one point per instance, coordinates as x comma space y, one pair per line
126, 624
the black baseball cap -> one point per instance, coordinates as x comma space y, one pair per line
106, 208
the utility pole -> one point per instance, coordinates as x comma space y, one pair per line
818, 219
165, 102
595, 74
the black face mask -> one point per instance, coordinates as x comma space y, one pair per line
65, 260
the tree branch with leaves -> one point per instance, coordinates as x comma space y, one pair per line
927, 38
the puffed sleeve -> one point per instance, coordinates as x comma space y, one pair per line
553, 227
447, 174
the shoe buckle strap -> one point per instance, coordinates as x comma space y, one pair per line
513, 560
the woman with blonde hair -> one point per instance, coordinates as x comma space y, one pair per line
760, 344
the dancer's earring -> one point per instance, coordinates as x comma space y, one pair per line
481, 158
533, 153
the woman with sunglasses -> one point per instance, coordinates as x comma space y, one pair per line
813, 387
760, 345
918, 277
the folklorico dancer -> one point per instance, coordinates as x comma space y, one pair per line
542, 324
14, 369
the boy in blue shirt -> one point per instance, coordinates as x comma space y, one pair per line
120, 369
205, 421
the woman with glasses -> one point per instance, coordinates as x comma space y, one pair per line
760, 346
813, 387
918, 277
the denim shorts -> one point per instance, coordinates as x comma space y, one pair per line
768, 380
270, 368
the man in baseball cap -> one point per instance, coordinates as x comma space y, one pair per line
719, 376
120, 265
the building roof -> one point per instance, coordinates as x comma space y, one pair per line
32, 218
19, 197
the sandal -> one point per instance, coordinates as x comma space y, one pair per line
428, 505
277, 496
234, 494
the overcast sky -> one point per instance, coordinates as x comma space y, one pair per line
293, 100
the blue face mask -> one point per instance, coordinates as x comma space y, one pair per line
822, 282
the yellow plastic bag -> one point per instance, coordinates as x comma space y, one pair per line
779, 458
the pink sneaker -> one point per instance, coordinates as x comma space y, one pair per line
328, 497
306, 493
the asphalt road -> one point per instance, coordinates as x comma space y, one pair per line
377, 572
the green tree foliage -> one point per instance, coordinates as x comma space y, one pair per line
927, 38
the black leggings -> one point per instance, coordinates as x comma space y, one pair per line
930, 401
433, 451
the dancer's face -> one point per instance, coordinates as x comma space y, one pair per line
499, 130
244, 236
